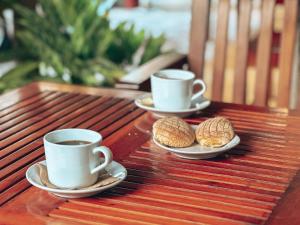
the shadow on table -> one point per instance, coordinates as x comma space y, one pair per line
242, 149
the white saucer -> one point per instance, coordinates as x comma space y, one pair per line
196, 151
145, 102
115, 169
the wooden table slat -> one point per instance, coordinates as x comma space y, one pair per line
211, 169
244, 186
25, 103
225, 166
42, 111
19, 95
15, 177
26, 136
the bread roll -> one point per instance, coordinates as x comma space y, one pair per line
173, 132
215, 132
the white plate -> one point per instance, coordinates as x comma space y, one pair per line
196, 151
115, 169
140, 102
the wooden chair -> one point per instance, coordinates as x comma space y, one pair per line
139, 79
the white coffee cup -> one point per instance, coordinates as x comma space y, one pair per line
172, 89
75, 166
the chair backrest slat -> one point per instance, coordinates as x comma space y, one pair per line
242, 51
264, 53
220, 49
198, 36
287, 46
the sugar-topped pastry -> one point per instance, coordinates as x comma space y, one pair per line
173, 132
215, 132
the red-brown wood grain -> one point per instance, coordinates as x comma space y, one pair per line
255, 183
220, 50
264, 53
242, 48
198, 36
288, 47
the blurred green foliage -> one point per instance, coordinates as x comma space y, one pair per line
67, 41
6, 3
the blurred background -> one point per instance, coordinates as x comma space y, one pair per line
95, 43
73, 41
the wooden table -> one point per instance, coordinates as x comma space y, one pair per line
256, 183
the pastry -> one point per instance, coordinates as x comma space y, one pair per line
215, 132
147, 101
173, 132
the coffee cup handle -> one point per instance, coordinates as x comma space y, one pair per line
201, 92
108, 156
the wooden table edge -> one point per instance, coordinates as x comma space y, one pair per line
120, 93
36, 87
13, 96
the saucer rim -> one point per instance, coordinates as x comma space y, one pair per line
153, 109
235, 139
70, 191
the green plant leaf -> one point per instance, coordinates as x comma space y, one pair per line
70, 38
153, 48
18, 76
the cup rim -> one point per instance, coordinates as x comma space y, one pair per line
190, 73
46, 136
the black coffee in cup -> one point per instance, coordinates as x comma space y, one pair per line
73, 142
